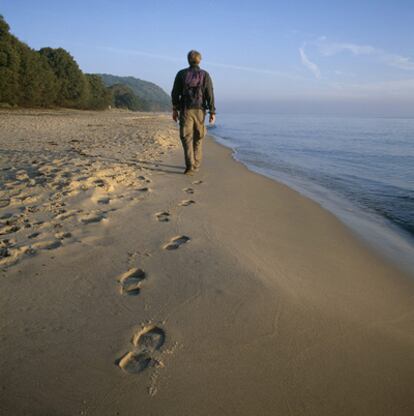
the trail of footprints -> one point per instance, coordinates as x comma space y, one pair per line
190, 191
147, 343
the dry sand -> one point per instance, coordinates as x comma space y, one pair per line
128, 288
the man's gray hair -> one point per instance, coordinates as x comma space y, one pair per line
194, 57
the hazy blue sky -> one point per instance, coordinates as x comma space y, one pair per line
336, 56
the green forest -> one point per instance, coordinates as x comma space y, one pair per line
50, 77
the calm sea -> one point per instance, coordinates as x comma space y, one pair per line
361, 169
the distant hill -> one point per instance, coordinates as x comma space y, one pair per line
152, 97
124, 97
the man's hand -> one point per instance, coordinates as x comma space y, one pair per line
212, 119
175, 115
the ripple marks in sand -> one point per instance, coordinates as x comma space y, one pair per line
176, 242
92, 217
131, 281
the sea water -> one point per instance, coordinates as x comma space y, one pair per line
361, 169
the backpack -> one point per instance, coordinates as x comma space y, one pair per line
193, 89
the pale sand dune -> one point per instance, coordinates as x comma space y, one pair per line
247, 299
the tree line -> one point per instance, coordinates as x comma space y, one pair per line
50, 77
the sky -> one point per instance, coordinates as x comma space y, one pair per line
336, 57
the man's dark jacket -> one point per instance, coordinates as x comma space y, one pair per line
208, 93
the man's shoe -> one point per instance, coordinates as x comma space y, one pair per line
189, 172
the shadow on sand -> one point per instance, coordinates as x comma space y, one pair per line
161, 167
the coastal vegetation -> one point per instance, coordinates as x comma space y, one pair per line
124, 97
50, 77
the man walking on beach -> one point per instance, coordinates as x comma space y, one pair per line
192, 95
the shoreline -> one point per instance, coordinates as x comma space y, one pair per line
240, 295
384, 238
362, 242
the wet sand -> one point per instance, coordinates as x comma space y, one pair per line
128, 288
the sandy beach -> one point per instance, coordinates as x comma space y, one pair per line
128, 288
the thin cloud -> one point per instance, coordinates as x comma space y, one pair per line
328, 48
139, 53
309, 64
252, 69
399, 61
216, 64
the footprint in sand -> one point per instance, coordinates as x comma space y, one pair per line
188, 190
4, 202
134, 362
33, 235
46, 245
6, 216
143, 178
147, 342
187, 202
91, 218
67, 214
176, 242
149, 339
197, 182
9, 229
99, 182
62, 235
131, 281
163, 216
9, 252
104, 200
